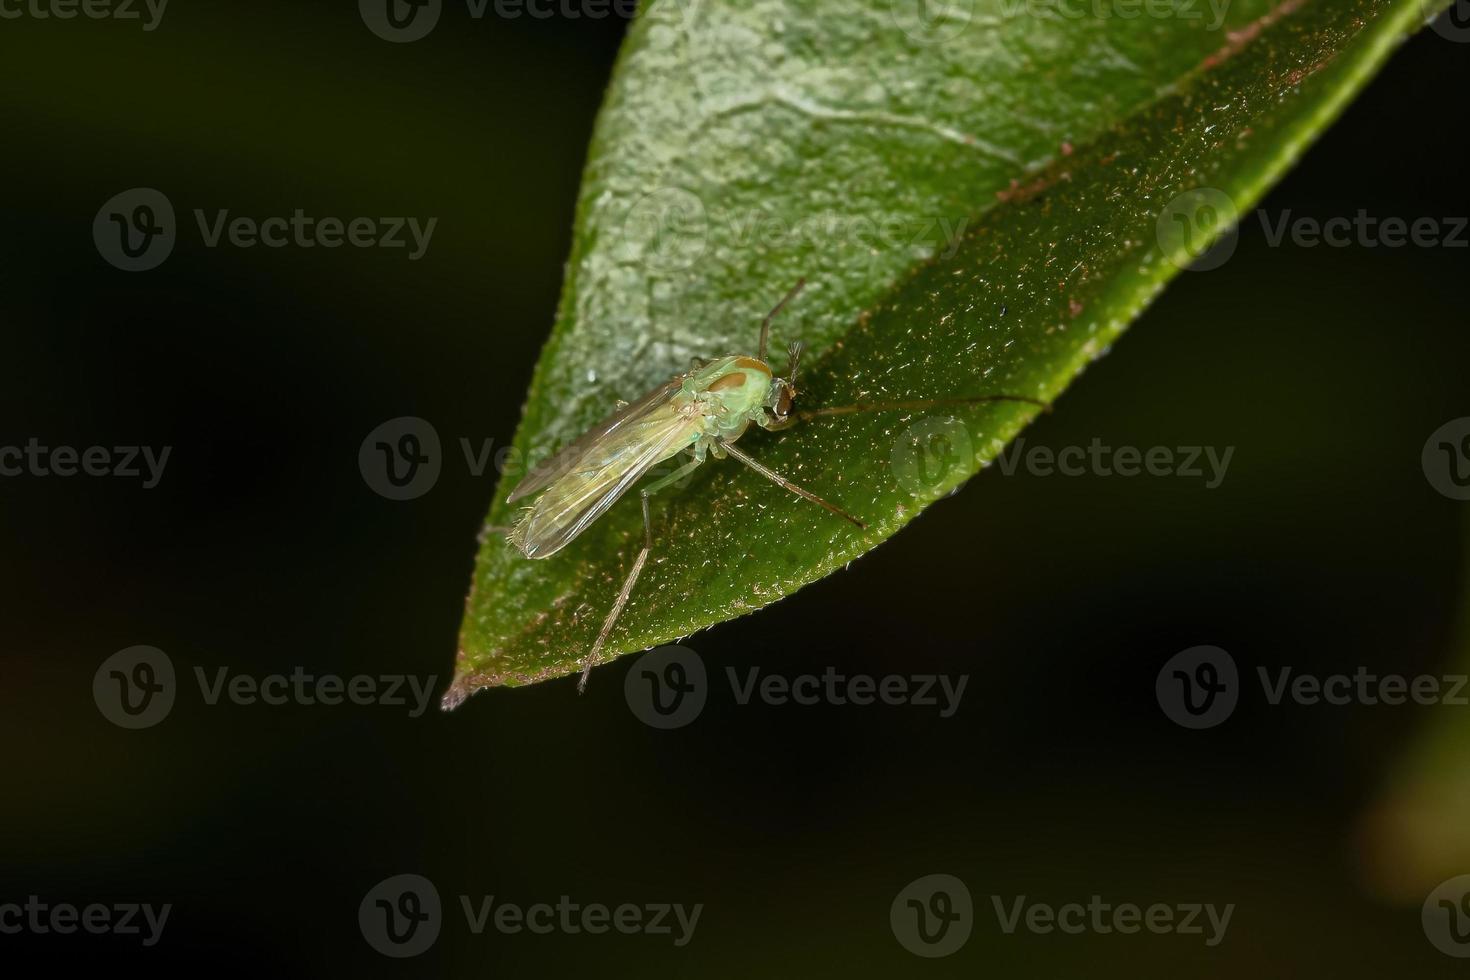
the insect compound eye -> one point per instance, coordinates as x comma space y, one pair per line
783, 400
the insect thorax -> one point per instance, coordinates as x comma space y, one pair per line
730, 393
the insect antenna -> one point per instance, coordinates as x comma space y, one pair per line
766, 323
795, 351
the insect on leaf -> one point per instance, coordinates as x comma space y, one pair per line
982, 195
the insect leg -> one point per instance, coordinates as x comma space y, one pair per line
781, 481
590, 661
915, 406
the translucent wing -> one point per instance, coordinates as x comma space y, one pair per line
567, 460
605, 470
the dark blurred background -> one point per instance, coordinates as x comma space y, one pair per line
262, 550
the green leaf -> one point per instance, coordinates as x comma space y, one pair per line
981, 200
